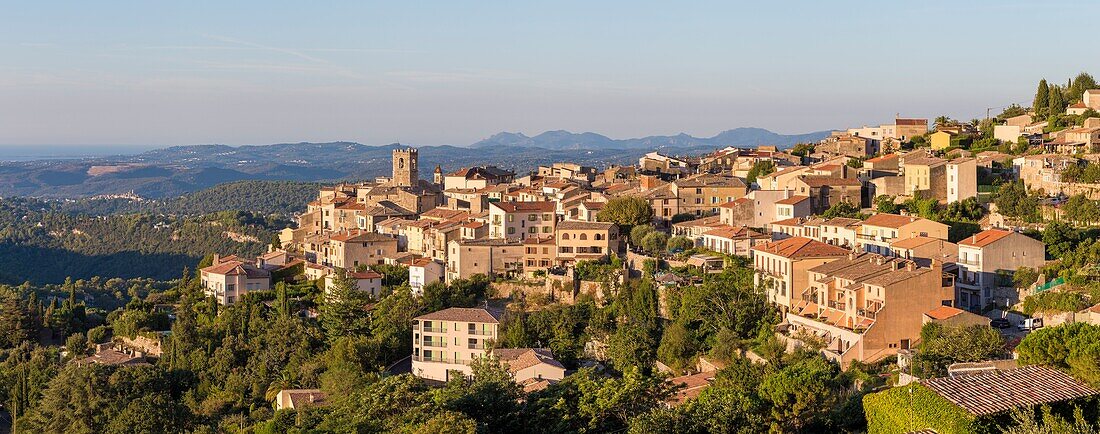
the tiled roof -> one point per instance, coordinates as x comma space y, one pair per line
582, 225
594, 205
885, 220
882, 158
991, 392
730, 232
800, 247
829, 181
842, 222
543, 206
943, 312
366, 275
463, 314
519, 359
792, 200
913, 242
984, 238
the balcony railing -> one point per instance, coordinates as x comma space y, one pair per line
439, 360
430, 329
479, 332
837, 305
434, 344
478, 346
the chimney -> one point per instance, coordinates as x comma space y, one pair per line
851, 256
910, 266
217, 259
647, 181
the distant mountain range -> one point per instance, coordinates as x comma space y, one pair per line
178, 170
562, 140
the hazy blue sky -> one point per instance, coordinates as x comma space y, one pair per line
239, 72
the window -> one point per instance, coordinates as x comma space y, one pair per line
565, 235
511, 231
546, 229
584, 237
532, 217
511, 218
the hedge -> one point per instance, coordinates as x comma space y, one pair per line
893, 411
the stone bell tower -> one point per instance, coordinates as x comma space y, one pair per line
405, 172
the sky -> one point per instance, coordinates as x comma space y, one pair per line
427, 73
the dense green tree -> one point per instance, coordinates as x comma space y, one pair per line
1014, 200
760, 168
17, 319
942, 345
1082, 82
842, 209
886, 204
1041, 104
343, 309
1057, 104
1071, 347
679, 244
1060, 238
655, 242
627, 212
1080, 209
638, 234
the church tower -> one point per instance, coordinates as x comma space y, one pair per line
437, 176
405, 172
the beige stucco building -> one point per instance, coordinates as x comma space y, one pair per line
781, 266
987, 261
446, 341
519, 220
230, 278
866, 307
487, 256
578, 240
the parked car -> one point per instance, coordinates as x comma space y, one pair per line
1030, 324
1000, 323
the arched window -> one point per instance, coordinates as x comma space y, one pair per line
584, 237
597, 237
564, 236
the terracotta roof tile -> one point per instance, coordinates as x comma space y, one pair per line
992, 392
984, 238
800, 247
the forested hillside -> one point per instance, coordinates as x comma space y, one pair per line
43, 244
284, 198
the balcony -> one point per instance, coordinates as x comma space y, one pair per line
429, 329
838, 305
438, 360
477, 346
434, 344
479, 332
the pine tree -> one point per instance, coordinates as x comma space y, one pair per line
1081, 83
1042, 98
343, 312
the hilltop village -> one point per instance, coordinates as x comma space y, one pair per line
858, 242
924, 275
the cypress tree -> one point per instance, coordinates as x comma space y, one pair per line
1042, 97
1057, 102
